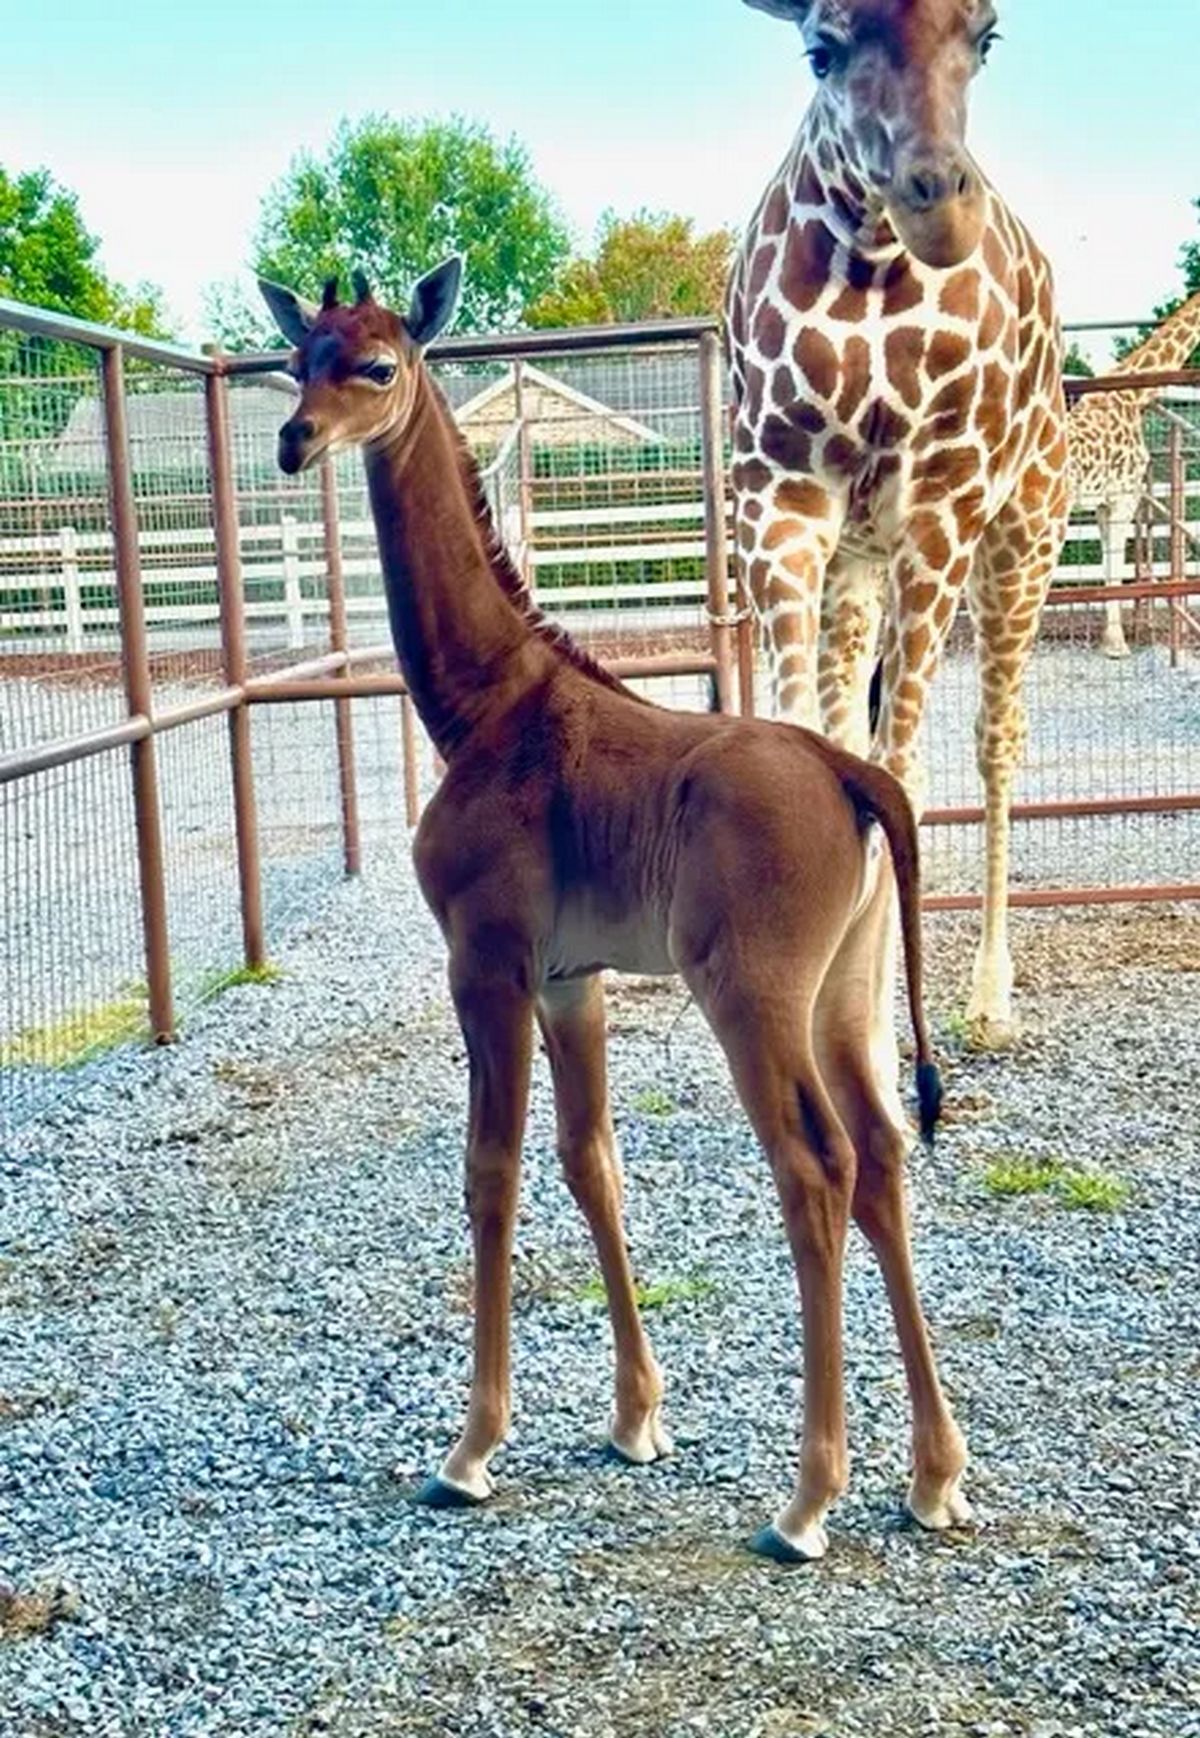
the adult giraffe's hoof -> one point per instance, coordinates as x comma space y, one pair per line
807, 1547
1114, 648
642, 1445
940, 1509
987, 1031
443, 1493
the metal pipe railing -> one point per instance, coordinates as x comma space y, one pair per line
233, 645
139, 697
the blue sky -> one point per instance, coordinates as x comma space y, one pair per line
171, 122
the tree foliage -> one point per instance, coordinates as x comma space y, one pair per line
645, 267
1075, 362
1189, 261
48, 258
394, 198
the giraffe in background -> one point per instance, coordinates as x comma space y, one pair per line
896, 360
1109, 461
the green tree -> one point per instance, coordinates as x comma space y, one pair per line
48, 258
1075, 362
648, 266
1189, 261
394, 197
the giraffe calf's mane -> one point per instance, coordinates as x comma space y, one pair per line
504, 570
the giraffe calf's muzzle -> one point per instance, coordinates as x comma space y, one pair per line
299, 445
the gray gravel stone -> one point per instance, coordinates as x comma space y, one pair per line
234, 1334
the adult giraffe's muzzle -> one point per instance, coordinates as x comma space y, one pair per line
937, 207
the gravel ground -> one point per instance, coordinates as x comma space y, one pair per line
234, 1329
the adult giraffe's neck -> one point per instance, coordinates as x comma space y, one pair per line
823, 179
464, 643
1170, 344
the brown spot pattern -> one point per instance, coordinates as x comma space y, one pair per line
903, 350
806, 260
960, 295
769, 331
817, 360
856, 375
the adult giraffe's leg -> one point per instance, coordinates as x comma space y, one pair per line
880, 1208
495, 1011
572, 1020
851, 609
1115, 522
924, 591
788, 529
1008, 588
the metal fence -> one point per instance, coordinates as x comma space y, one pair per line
201, 724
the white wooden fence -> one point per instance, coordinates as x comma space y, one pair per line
71, 589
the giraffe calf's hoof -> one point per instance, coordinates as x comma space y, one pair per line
939, 1512
442, 1493
807, 1547
642, 1446
1114, 649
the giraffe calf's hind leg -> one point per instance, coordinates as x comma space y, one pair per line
571, 1016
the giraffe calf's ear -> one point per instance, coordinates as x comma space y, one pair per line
435, 301
293, 316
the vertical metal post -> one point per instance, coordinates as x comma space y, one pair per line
746, 633
233, 646
1178, 553
712, 422
135, 664
524, 473
408, 750
343, 721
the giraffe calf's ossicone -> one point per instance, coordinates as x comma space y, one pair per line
580, 828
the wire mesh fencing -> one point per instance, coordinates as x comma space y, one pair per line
201, 723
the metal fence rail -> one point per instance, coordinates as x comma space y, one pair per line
202, 727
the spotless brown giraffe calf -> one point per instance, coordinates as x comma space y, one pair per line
897, 366
578, 827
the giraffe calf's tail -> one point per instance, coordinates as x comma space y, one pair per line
875, 696
876, 794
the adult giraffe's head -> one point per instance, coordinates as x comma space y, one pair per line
892, 80
356, 364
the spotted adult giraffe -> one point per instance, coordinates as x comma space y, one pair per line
1109, 461
896, 360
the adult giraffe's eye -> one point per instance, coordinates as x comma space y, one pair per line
987, 42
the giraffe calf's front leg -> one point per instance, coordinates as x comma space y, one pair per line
496, 1015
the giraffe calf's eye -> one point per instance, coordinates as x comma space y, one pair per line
379, 373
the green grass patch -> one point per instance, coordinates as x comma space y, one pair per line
1071, 1186
81, 1036
652, 1102
1021, 1176
217, 983
955, 1026
1093, 1190
657, 1294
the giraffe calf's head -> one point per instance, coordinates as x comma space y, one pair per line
356, 363
893, 77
